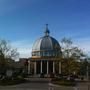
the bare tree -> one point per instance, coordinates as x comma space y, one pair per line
69, 50
7, 54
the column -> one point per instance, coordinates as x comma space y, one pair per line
53, 67
28, 67
47, 67
41, 66
59, 67
35, 67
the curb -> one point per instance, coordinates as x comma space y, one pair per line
54, 85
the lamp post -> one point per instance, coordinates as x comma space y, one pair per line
28, 67
87, 73
87, 69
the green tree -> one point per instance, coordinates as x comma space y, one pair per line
70, 66
71, 57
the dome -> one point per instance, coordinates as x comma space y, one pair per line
46, 43
46, 46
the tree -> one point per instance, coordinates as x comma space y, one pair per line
7, 55
71, 57
70, 66
69, 50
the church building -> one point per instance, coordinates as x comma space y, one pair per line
46, 55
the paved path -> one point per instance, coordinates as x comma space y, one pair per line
36, 84
44, 84
83, 86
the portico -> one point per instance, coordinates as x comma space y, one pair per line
45, 66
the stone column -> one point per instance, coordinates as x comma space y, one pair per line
59, 67
28, 67
35, 65
41, 66
53, 67
47, 67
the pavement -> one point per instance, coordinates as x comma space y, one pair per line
34, 86
83, 86
44, 84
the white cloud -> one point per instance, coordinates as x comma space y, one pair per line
84, 44
24, 48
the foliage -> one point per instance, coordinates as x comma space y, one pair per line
7, 54
14, 81
71, 57
70, 66
64, 82
6, 51
69, 50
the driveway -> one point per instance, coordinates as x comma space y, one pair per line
36, 84
83, 86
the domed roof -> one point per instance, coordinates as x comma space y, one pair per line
46, 43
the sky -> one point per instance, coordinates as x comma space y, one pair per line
23, 21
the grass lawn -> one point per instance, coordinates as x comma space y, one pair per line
15, 81
63, 82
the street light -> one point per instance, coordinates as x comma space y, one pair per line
87, 69
87, 73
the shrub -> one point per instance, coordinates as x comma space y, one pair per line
13, 81
64, 82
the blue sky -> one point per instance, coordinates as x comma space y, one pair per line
23, 21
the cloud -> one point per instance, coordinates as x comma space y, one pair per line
24, 47
84, 44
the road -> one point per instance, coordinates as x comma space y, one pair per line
42, 84
83, 86
34, 86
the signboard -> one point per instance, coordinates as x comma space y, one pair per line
9, 73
